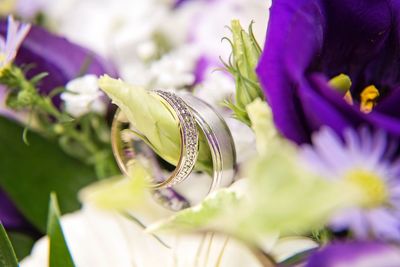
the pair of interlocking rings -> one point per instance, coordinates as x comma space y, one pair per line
193, 115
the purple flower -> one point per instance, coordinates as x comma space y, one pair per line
356, 254
363, 161
57, 56
16, 33
309, 42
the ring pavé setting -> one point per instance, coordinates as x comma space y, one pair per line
189, 137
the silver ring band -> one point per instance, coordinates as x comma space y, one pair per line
219, 139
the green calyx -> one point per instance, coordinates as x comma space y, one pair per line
242, 64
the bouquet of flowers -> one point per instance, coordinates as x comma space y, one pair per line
197, 133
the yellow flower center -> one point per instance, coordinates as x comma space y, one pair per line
2, 63
373, 188
2, 58
7, 7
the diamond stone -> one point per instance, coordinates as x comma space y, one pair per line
189, 132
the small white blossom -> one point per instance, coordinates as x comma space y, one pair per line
175, 69
28, 8
146, 50
83, 96
217, 87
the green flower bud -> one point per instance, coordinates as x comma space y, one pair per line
245, 55
26, 98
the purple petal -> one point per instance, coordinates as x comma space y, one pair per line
9, 215
57, 56
280, 69
311, 41
356, 254
385, 225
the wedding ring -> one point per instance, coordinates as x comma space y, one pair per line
189, 137
192, 114
127, 146
219, 139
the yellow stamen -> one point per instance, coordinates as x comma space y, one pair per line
373, 188
369, 97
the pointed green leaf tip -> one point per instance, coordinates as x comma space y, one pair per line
59, 255
120, 193
153, 120
245, 55
7, 254
194, 219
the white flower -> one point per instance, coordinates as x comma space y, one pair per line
114, 28
83, 96
206, 23
217, 87
101, 239
16, 33
29, 8
175, 69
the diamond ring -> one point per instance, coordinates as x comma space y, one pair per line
192, 114
124, 151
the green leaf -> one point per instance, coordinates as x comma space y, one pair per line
192, 219
22, 243
59, 255
29, 173
281, 197
120, 193
39, 77
7, 254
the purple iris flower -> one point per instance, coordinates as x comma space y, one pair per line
309, 42
57, 56
356, 254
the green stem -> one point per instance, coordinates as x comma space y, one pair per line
26, 96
